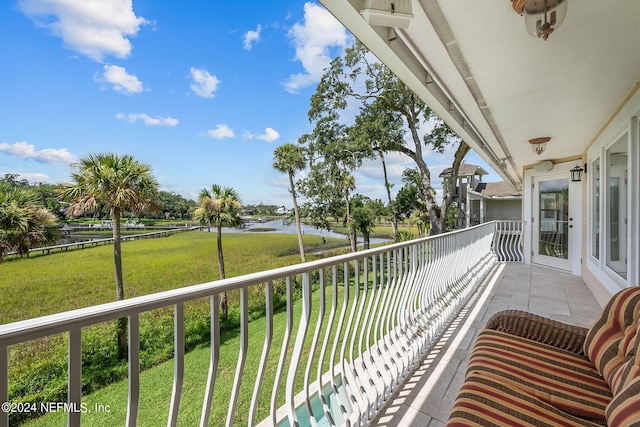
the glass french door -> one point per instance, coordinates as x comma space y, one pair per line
553, 222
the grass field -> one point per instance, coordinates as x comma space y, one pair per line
156, 385
69, 280
65, 281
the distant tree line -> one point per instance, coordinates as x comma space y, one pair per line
170, 204
261, 209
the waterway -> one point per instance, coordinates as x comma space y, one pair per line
283, 226
278, 226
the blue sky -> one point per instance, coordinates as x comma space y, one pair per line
203, 91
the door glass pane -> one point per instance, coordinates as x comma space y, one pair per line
595, 241
554, 218
616, 240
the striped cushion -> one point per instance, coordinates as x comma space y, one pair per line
613, 335
515, 381
625, 373
624, 409
485, 401
558, 378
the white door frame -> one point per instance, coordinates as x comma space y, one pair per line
560, 170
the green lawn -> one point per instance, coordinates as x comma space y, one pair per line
65, 281
68, 280
156, 383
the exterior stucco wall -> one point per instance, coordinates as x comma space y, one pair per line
503, 209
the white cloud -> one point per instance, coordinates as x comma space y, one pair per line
94, 28
269, 135
148, 120
252, 36
313, 41
120, 80
221, 131
204, 84
24, 150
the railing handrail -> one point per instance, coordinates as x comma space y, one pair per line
26, 330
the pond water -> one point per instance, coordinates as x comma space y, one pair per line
282, 226
278, 226
75, 238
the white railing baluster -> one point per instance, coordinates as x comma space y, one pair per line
401, 326
387, 354
242, 357
283, 351
134, 370
75, 376
178, 363
363, 370
298, 349
375, 373
393, 315
314, 346
334, 348
507, 242
346, 359
325, 343
360, 299
268, 337
214, 358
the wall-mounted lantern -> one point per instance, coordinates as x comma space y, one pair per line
576, 173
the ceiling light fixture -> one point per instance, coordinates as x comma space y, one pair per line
539, 144
541, 17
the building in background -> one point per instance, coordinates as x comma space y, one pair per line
480, 201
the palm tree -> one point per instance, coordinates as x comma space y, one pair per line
219, 207
123, 184
289, 158
23, 220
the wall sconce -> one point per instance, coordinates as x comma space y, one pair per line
576, 173
539, 144
541, 17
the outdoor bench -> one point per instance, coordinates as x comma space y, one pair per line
527, 370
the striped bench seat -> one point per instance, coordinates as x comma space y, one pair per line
527, 370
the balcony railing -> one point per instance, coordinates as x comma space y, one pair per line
507, 244
367, 319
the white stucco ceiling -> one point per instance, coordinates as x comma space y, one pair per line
509, 86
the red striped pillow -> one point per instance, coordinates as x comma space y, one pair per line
624, 409
611, 341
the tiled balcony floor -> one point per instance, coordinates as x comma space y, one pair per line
427, 397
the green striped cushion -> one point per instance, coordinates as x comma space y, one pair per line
485, 401
613, 335
558, 378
